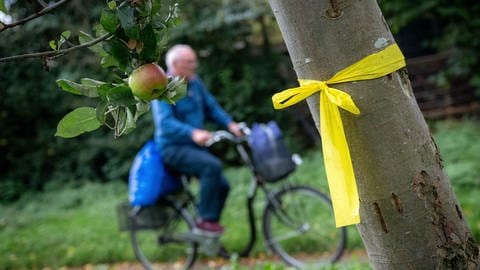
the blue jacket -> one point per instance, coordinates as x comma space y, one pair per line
174, 123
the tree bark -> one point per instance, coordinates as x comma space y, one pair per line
410, 218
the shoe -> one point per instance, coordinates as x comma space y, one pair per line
208, 228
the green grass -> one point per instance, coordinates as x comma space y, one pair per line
76, 224
68, 226
459, 145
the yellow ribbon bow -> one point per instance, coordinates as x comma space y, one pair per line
338, 164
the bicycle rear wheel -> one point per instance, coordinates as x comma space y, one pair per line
298, 225
163, 243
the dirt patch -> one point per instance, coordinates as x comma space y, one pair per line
214, 264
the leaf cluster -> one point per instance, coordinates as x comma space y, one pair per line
136, 34
30, 105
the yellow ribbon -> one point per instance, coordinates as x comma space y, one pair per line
338, 164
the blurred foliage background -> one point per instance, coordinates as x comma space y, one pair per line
242, 60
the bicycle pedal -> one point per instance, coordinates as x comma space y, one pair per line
199, 238
206, 234
210, 246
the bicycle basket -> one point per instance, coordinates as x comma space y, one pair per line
271, 158
147, 217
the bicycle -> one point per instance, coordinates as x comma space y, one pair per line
296, 218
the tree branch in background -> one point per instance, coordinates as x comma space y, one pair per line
57, 52
41, 2
47, 9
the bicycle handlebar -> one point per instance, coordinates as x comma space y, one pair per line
221, 135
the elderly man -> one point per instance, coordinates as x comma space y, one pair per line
180, 136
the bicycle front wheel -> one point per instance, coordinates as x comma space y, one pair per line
164, 244
298, 225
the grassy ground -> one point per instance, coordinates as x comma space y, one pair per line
75, 224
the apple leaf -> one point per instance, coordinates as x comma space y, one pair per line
179, 92
149, 51
120, 95
109, 21
156, 6
109, 61
126, 122
78, 89
53, 44
91, 82
63, 38
77, 122
119, 51
145, 9
172, 18
112, 4
126, 15
101, 110
141, 108
176, 89
103, 90
84, 37
130, 124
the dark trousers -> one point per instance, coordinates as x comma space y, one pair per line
198, 162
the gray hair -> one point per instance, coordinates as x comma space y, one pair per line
174, 53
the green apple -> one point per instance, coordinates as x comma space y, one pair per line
148, 81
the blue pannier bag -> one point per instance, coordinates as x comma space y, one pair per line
149, 180
270, 156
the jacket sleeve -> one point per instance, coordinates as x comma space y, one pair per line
167, 124
214, 111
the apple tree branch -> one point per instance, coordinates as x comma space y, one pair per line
45, 10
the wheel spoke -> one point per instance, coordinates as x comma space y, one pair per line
287, 236
299, 219
165, 242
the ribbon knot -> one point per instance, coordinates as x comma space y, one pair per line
336, 154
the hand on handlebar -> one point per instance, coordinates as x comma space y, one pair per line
236, 133
235, 129
201, 136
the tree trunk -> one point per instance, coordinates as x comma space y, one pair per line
410, 218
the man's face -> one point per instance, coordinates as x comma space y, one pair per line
186, 64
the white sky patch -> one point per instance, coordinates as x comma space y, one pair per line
4, 18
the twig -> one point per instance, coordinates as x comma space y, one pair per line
47, 9
57, 52
41, 2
